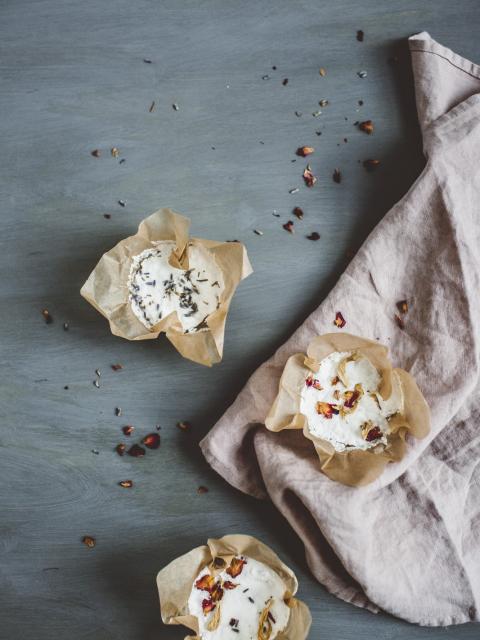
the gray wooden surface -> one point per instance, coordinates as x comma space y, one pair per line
73, 79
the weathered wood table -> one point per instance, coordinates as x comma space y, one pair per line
81, 76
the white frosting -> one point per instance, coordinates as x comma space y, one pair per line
344, 428
156, 289
241, 607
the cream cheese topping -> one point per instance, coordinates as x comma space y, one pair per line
342, 403
156, 289
246, 606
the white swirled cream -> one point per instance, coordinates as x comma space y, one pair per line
156, 289
342, 403
243, 602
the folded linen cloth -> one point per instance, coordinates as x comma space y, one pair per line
409, 543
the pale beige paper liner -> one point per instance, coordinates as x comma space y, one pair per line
356, 467
107, 290
176, 580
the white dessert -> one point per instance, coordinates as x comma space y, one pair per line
243, 602
343, 405
156, 289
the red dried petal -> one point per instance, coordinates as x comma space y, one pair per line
339, 321
308, 177
117, 367
136, 451
327, 410
304, 151
126, 484
89, 542
120, 449
151, 441
298, 212
236, 567
205, 583
128, 429
374, 434
366, 126
288, 226
351, 398
208, 605
216, 592
314, 236
229, 585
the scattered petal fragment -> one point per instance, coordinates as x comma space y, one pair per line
126, 484
371, 164
339, 321
89, 542
304, 151
314, 236
136, 451
47, 317
366, 126
337, 176
298, 212
151, 441
288, 226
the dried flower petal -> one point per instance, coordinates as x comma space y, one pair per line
314, 236
322, 72
120, 449
95, 153
202, 489
339, 321
151, 441
128, 429
308, 176
236, 567
402, 306
47, 317
298, 212
229, 585
136, 451
370, 164
184, 426
126, 484
313, 382
360, 35
117, 367
370, 431
366, 126
304, 151
327, 410
208, 605
205, 583
114, 152
288, 226
351, 400
337, 176
89, 542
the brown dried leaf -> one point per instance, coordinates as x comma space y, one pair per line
288, 226
298, 212
136, 451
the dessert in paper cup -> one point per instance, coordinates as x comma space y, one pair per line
160, 280
233, 588
352, 404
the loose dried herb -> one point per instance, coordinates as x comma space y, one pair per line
362, 74
308, 176
122, 203
360, 35
175, 106
120, 449
298, 212
370, 164
339, 321
128, 429
184, 426
202, 489
288, 226
126, 484
366, 126
337, 176
304, 151
118, 411
117, 367
136, 451
152, 107
294, 190
89, 542
314, 236
402, 306
46, 316
151, 441
96, 153
258, 232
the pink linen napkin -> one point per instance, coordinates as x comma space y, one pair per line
410, 542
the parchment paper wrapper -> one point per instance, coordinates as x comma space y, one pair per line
107, 290
175, 582
355, 467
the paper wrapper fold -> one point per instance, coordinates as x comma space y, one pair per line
176, 580
355, 467
106, 288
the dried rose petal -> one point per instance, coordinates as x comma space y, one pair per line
151, 441
339, 321
136, 451
208, 605
120, 449
370, 164
288, 226
128, 429
308, 177
89, 542
117, 367
322, 72
229, 585
184, 426
236, 567
46, 314
402, 306
337, 176
205, 583
373, 434
326, 409
126, 484
114, 152
351, 398
400, 322
95, 153
335, 381
366, 126
298, 212
314, 236
216, 592
202, 489
303, 152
